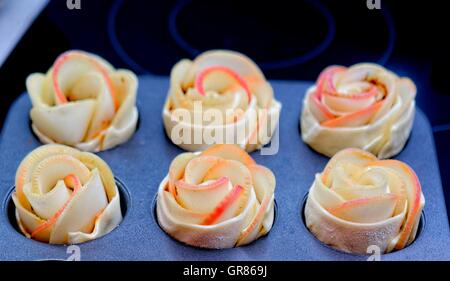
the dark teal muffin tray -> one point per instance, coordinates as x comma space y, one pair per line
142, 163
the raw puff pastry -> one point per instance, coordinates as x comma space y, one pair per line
65, 196
223, 80
219, 198
364, 106
83, 102
359, 201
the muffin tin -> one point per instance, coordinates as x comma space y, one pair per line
141, 164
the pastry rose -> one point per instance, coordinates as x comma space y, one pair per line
219, 198
65, 196
83, 102
220, 97
359, 201
364, 106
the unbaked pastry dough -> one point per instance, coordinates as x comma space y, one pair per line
364, 106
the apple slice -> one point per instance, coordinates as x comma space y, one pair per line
79, 62
353, 182
351, 156
237, 172
44, 205
177, 167
254, 227
178, 212
71, 181
204, 197
355, 119
93, 161
54, 122
264, 181
318, 109
254, 137
228, 207
413, 193
80, 212
324, 84
29, 221
237, 61
261, 89
397, 186
344, 175
326, 197
264, 185
205, 186
199, 81
405, 90
360, 191
230, 151
367, 210
28, 164
325, 80
359, 89
55, 167
350, 103
197, 169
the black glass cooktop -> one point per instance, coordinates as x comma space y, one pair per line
288, 39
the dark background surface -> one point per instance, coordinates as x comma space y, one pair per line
291, 40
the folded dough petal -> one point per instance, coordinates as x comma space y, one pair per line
105, 223
54, 122
80, 213
45, 205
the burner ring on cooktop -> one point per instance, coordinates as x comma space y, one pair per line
115, 41
391, 40
276, 64
321, 44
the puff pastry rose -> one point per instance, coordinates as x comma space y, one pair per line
82, 101
65, 196
232, 87
363, 106
219, 198
359, 201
